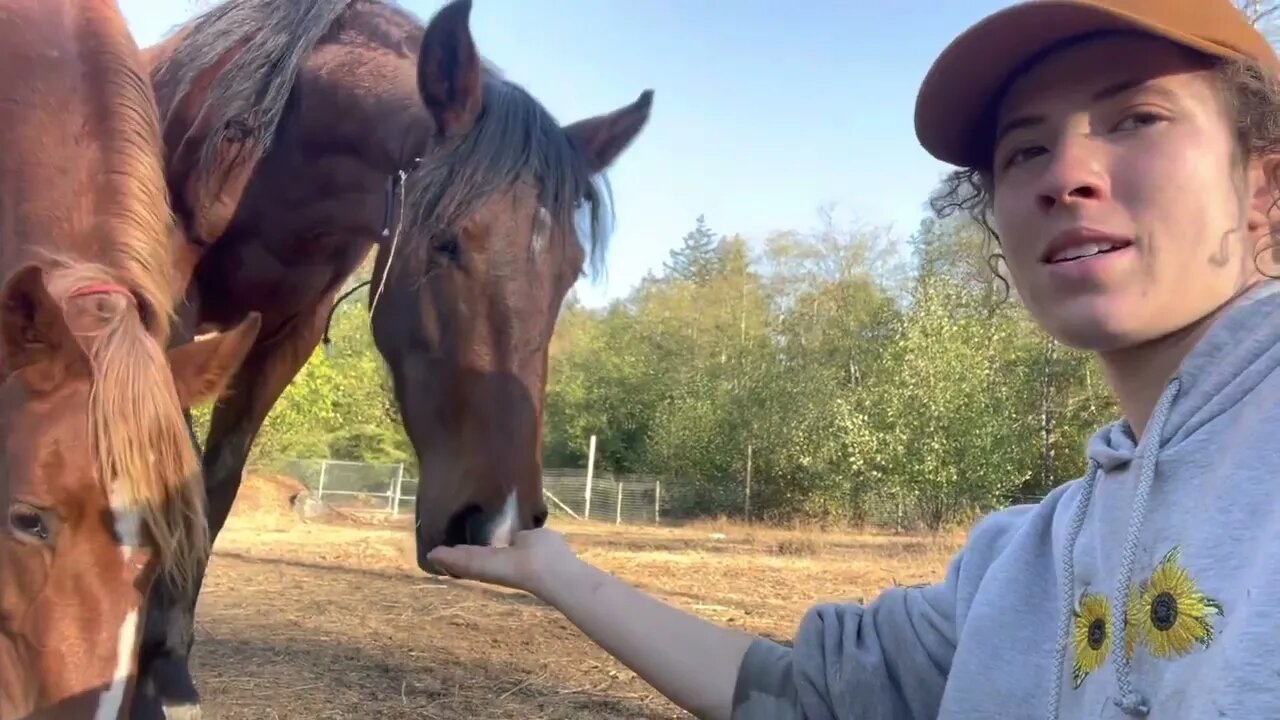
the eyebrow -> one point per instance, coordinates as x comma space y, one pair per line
1106, 93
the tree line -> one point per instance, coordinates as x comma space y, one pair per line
845, 379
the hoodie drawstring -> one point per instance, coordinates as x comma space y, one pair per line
1129, 701
1068, 586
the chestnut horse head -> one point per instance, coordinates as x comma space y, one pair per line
293, 122
99, 484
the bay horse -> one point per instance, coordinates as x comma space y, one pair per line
301, 134
99, 482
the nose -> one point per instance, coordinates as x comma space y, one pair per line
468, 526
1075, 174
472, 525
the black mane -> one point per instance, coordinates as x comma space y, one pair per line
514, 137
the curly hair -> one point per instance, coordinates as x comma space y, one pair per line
1250, 95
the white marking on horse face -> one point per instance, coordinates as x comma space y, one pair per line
541, 231
128, 529
504, 527
128, 525
112, 700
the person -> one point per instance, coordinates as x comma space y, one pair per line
1123, 154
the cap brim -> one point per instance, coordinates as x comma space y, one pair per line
958, 90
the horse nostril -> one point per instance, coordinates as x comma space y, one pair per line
540, 518
465, 527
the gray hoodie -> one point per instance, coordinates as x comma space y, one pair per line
1174, 540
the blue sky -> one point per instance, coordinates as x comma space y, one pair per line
764, 110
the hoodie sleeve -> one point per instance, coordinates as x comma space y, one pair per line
888, 659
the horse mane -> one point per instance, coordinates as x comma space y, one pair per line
139, 222
141, 443
247, 98
515, 137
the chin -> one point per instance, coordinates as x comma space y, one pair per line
1094, 328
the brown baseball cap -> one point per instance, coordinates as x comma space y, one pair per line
960, 89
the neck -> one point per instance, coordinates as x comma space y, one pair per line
1139, 374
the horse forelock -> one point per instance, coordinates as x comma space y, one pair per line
140, 443
135, 205
515, 139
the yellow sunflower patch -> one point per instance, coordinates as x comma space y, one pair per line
1092, 638
1172, 616
1167, 613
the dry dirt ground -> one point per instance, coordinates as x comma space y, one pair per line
332, 619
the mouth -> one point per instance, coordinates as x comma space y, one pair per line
1076, 245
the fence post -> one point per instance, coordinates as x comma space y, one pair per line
324, 468
395, 492
591, 468
657, 493
617, 520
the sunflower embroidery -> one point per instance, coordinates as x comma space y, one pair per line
1092, 637
1171, 615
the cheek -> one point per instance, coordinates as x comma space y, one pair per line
1015, 220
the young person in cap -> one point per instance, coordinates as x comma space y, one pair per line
1124, 154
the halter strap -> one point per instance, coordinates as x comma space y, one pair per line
99, 289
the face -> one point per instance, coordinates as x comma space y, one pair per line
1122, 212
467, 351
73, 571
467, 341
77, 553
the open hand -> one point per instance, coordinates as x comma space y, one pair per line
531, 561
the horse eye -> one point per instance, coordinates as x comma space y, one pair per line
28, 521
448, 247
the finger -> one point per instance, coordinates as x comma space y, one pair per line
472, 561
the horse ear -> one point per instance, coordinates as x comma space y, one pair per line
603, 137
203, 368
34, 331
449, 70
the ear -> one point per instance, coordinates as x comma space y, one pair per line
203, 368
33, 330
449, 70
604, 137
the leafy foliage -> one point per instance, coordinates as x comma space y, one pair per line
853, 383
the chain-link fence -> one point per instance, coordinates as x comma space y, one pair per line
621, 499
368, 487
605, 497
362, 487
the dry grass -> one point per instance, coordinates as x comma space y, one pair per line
334, 619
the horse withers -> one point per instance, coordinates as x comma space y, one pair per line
99, 484
299, 135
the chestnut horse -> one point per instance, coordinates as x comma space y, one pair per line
98, 479
299, 135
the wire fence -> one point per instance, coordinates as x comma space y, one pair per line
588, 495
387, 488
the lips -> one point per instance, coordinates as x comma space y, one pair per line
1078, 244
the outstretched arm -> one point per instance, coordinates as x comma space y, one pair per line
692, 661
887, 659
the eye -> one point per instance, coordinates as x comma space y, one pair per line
1139, 119
444, 251
30, 523
448, 249
1020, 154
